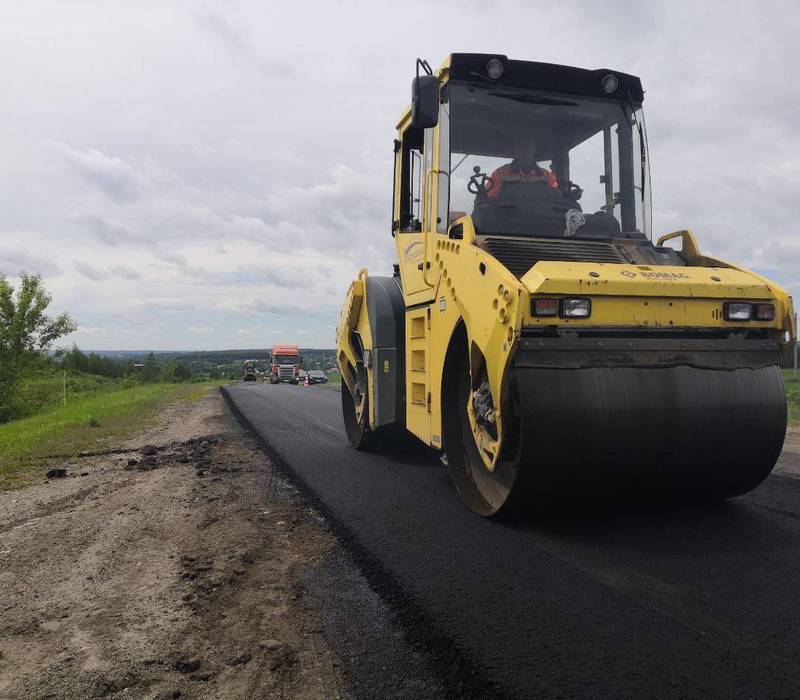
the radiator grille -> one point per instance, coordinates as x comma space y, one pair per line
519, 256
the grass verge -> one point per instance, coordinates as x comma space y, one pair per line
334, 382
85, 423
793, 396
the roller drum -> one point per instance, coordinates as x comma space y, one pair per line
632, 432
668, 430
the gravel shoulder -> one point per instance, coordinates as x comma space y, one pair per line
175, 574
789, 461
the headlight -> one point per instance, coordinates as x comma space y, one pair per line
576, 308
569, 307
737, 311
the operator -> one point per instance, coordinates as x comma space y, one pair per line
523, 168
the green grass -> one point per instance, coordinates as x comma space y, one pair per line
793, 395
41, 392
88, 421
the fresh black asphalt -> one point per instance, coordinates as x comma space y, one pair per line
667, 602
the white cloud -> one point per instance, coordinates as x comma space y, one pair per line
228, 170
88, 271
125, 272
112, 175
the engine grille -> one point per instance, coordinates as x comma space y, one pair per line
519, 256
286, 372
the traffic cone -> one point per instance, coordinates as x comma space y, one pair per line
305, 383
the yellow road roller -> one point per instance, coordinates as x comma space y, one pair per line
533, 331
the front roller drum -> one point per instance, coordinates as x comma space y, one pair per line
605, 432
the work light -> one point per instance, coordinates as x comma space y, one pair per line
576, 308
610, 83
737, 311
494, 69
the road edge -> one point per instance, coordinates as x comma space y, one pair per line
454, 669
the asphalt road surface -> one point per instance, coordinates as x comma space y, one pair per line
671, 602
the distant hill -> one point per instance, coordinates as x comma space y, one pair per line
313, 358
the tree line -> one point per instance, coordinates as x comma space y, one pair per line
27, 336
147, 372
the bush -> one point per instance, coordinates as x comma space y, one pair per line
128, 381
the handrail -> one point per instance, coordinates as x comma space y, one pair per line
427, 225
689, 250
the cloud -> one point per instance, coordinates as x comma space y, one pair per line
108, 231
15, 260
233, 172
125, 272
238, 41
116, 178
88, 271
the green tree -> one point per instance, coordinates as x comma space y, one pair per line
150, 371
175, 371
169, 371
26, 333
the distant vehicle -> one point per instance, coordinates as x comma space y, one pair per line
285, 364
317, 376
250, 371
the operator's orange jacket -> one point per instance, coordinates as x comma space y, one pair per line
511, 172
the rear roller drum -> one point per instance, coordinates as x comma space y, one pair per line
356, 423
355, 405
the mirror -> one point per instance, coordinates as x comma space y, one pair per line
424, 102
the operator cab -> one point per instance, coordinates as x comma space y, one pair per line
587, 181
593, 146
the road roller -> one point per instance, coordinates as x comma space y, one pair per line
533, 331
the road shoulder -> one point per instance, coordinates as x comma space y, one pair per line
164, 575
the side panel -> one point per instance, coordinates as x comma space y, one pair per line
445, 315
410, 256
418, 389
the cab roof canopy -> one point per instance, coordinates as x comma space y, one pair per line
473, 67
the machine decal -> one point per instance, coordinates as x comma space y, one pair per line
413, 251
658, 275
666, 275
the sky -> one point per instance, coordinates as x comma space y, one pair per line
207, 175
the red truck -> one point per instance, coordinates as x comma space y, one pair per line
285, 364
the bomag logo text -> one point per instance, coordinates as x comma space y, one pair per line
658, 275
666, 275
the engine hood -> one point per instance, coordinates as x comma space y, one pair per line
551, 277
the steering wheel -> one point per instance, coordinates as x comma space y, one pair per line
480, 183
572, 191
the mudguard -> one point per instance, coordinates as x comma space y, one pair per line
386, 361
